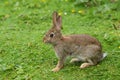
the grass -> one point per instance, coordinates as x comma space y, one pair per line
23, 23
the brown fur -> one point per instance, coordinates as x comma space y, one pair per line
81, 47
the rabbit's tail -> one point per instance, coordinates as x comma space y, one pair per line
104, 55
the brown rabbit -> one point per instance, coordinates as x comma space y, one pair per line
81, 47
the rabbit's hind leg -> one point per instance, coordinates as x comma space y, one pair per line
87, 64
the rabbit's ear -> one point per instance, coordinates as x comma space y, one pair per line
59, 22
55, 18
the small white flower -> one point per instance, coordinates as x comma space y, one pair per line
65, 13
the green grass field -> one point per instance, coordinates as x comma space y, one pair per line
23, 23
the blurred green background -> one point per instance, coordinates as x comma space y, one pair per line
23, 23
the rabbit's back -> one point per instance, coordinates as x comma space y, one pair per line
84, 40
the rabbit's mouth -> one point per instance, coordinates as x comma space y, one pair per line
49, 42
46, 41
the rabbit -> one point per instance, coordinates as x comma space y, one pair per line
81, 47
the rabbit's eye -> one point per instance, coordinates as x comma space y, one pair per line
52, 35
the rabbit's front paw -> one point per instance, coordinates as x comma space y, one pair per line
56, 69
